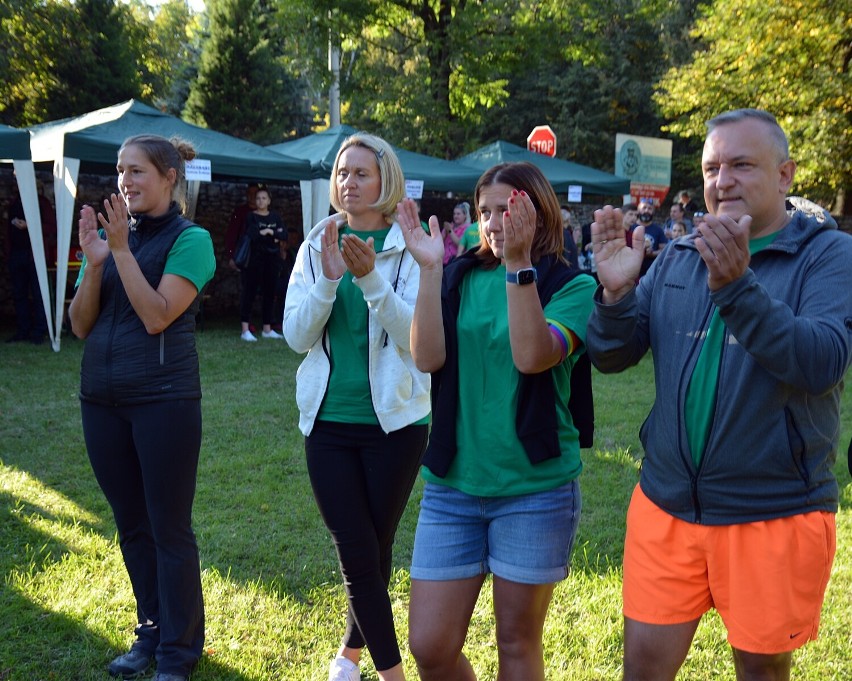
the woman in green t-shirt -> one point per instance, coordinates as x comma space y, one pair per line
363, 405
137, 296
501, 493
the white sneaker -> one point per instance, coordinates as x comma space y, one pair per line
272, 333
248, 336
343, 670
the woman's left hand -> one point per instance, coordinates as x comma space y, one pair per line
359, 255
115, 223
519, 225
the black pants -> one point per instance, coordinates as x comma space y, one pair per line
262, 273
26, 295
361, 478
145, 458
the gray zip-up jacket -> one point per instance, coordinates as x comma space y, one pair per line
788, 344
399, 391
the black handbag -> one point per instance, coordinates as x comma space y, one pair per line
242, 253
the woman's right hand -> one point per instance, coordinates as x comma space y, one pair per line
333, 266
94, 248
618, 264
427, 249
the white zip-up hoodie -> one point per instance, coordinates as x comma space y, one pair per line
400, 392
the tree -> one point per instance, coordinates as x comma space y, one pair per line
789, 57
169, 44
63, 59
417, 71
242, 87
445, 76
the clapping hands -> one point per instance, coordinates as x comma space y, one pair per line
618, 264
352, 254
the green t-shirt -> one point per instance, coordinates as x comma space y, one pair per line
701, 391
470, 238
348, 398
490, 459
191, 257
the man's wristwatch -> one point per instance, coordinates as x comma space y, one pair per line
522, 277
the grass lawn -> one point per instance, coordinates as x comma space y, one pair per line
274, 602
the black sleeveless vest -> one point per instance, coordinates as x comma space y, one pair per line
122, 363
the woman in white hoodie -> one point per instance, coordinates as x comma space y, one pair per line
363, 405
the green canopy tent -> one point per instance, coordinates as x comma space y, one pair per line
15, 148
14, 144
95, 138
320, 149
560, 173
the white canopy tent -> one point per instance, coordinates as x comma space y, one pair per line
15, 148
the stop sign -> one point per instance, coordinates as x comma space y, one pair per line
542, 140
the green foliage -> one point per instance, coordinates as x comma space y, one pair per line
62, 59
170, 44
791, 58
446, 76
242, 88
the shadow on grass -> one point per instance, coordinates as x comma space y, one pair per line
37, 643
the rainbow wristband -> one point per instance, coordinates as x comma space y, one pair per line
563, 341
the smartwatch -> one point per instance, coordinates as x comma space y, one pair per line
522, 277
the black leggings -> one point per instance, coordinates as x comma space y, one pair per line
362, 478
145, 458
261, 273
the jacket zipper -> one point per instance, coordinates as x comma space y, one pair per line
693, 476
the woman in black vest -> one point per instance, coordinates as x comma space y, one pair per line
501, 329
137, 294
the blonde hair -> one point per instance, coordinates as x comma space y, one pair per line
390, 173
166, 154
464, 207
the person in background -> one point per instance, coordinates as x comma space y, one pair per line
237, 224
453, 231
30, 320
267, 232
470, 238
736, 502
501, 493
140, 392
678, 229
364, 407
655, 237
698, 219
676, 214
630, 215
573, 248
685, 200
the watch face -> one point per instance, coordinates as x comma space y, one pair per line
526, 277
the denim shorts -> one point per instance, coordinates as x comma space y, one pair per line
525, 539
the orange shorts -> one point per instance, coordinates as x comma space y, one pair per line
766, 579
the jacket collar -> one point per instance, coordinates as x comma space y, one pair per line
393, 242
802, 226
